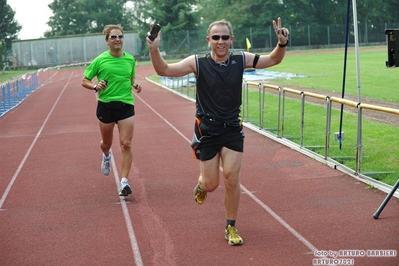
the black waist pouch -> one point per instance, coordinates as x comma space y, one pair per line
115, 105
209, 126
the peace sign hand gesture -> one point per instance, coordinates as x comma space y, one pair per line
281, 32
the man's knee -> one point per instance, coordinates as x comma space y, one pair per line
126, 145
209, 186
231, 178
209, 182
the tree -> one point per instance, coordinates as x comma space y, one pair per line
86, 16
248, 18
176, 17
9, 29
174, 14
184, 22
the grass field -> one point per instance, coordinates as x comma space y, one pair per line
380, 141
10, 74
324, 70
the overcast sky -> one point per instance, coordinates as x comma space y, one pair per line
32, 15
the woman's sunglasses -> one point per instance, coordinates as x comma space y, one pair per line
113, 37
217, 37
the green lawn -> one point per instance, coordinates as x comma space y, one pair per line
10, 74
324, 71
380, 142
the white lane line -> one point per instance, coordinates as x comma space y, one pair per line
133, 240
12, 181
132, 237
280, 220
264, 206
166, 121
126, 215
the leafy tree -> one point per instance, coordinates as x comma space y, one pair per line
248, 18
180, 18
66, 14
138, 13
101, 13
384, 11
256, 13
9, 29
176, 18
174, 14
87, 16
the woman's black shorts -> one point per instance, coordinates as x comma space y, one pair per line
112, 112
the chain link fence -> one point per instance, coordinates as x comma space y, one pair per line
73, 49
264, 39
65, 50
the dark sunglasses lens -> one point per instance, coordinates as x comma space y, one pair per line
113, 37
217, 37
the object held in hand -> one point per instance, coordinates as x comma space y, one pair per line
154, 32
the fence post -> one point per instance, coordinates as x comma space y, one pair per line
279, 112
359, 139
328, 35
328, 129
260, 105
302, 118
283, 116
3, 94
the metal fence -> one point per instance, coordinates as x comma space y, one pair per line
269, 114
71, 49
354, 151
15, 91
65, 50
264, 38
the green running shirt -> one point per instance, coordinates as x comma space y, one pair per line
119, 72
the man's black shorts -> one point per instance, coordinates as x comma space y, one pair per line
206, 147
114, 111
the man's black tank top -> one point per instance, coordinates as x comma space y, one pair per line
219, 87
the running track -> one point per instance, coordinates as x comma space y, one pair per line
57, 208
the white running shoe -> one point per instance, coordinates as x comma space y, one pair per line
125, 189
106, 164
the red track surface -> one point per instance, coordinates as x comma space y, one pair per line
57, 208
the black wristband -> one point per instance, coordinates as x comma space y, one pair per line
256, 58
95, 88
283, 45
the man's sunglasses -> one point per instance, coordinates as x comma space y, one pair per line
217, 37
113, 37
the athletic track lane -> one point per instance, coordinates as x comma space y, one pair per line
57, 208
